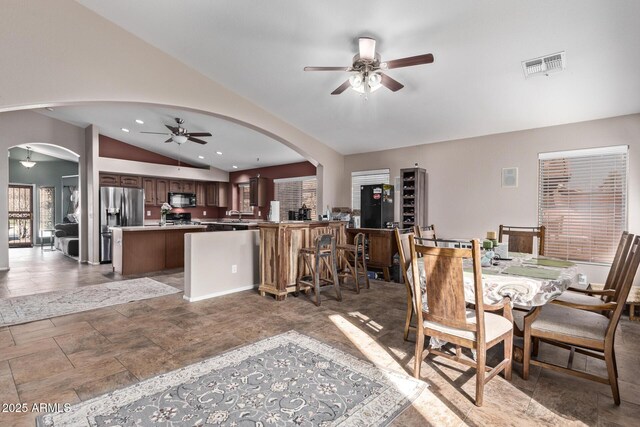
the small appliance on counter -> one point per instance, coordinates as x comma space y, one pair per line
304, 213
274, 211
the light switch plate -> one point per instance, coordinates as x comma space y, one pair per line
204, 213
148, 213
234, 268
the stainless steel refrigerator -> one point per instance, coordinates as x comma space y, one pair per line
119, 207
376, 205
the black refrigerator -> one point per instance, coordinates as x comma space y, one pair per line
376, 205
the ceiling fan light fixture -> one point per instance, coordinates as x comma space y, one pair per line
367, 47
179, 139
374, 80
28, 163
356, 81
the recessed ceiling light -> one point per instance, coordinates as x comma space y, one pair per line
125, 130
201, 157
140, 122
234, 166
48, 108
219, 153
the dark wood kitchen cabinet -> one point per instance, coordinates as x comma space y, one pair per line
130, 181
216, 194
162, 191
115, 180
257, 191
180, 186
201, 194
109, 180
149, 187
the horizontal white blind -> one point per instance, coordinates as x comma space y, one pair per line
292, 193
582, 202
376, 176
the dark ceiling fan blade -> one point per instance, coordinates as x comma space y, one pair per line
390, 83
341, 88
172, 129
158, 133
410, 61
199, 141
198, 134
169, 140
326, 68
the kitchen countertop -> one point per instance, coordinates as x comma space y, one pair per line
158, 227
229, 223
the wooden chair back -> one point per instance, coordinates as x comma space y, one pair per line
521, 239
445, 285
625, 280
404, 251
358, 242
428, 232
618, 264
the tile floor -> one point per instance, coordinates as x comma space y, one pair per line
79, 356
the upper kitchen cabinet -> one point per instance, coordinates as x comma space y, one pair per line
201, 194
149, 186
162, 191
257, 191
115, 180
130, 181
216, 194
109, 180
176, 186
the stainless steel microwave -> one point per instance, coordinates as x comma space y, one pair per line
182, 200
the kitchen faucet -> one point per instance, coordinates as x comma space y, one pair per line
235, 212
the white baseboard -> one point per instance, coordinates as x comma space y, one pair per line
221, 293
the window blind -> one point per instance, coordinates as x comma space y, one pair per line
292, 193
582, 202
375, 176
46, 197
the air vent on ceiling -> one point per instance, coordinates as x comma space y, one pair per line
544, 65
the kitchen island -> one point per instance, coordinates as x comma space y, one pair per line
280, 243
138, 250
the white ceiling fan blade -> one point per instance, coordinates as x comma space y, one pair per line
367, 48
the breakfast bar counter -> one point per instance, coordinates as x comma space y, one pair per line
138, 250
280, 243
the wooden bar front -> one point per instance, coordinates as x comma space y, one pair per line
279, 247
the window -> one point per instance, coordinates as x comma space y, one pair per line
292, 193
46, 196
244, 198
377, 176
582, 202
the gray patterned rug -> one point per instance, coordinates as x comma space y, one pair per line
289, 379
29, 308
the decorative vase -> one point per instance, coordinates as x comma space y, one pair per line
163, 219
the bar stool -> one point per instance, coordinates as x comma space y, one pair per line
354, 257
323, 254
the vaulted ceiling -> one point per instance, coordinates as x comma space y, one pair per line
475, 86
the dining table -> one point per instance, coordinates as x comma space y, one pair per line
530, 282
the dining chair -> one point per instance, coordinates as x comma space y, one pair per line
404, 254
584, 330
321, 255
521, 238
609, 290
446, 317
428, 232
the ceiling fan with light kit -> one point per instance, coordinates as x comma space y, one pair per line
180, 135
367, 69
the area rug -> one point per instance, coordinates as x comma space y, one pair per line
29, 308
288, 379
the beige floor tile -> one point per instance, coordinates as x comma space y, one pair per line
106, 384
50, 332
30, 347
6, 339
39, 365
